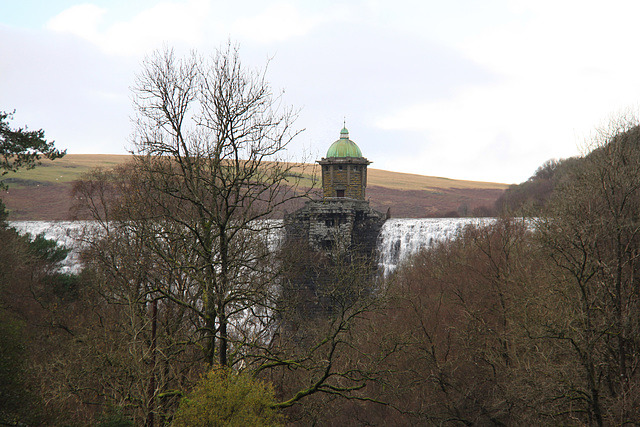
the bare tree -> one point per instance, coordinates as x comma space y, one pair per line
207, 175
187, 229
210, 140
592, 233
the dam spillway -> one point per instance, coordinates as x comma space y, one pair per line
399, 237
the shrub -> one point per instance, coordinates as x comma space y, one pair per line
225, 397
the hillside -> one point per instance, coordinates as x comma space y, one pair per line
419, 196
44, 193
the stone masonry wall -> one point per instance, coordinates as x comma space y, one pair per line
350, 179
336, 222
324, 234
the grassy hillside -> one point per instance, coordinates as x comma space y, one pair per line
67, 169
44, 193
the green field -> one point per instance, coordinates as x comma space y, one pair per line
65, 170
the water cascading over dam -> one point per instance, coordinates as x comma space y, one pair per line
399, 237
402, 237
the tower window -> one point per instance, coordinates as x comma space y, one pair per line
339, 167
339, 193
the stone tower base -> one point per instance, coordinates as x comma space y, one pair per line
336, 223
331, 246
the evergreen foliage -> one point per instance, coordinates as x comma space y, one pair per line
22, 148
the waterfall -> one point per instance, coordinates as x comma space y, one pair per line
399, 237
66, 233
402, 237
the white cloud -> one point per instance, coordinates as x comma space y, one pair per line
279, 22
472, 90
191, 22
563, 67
182, 22
80, 20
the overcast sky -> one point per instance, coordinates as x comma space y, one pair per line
481, 90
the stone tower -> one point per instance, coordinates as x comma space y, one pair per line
328, 234
344, 170
343, 218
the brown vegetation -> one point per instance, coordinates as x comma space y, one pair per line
434, 203
45, 193
521, 322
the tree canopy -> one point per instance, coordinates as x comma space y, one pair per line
23, 148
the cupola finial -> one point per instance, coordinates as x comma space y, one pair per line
344, 133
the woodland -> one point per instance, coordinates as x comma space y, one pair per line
184, 313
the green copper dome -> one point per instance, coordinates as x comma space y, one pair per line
344, 147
